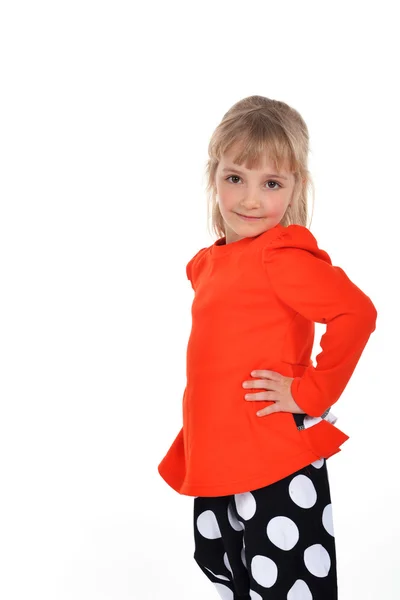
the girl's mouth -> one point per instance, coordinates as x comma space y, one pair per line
248, 218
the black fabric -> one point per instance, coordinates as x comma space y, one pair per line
273, 543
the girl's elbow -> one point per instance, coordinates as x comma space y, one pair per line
369, 313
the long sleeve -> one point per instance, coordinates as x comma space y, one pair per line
322, 293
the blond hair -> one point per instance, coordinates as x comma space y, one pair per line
261, 126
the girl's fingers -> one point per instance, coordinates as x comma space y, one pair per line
269, 410
268, 384
267, 374
260, 396
278, 387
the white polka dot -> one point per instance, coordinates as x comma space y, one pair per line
283, 532
318, 463
264, 571
243, 556
235, 524
310, 421
327, 519
218, 576
302, 491
317, 560
299, 591
208, 526
245, 505
227, 563
255, 596
223, 591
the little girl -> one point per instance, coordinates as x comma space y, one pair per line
257, 425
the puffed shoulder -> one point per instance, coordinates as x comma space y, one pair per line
192, 264
293, 236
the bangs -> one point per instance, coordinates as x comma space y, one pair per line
260, 141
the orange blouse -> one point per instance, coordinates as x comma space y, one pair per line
255, 304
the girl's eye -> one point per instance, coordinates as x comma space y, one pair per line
270, 181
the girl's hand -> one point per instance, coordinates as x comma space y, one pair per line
280, 392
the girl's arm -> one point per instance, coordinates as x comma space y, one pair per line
322, 293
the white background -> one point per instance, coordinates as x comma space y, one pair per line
106, 113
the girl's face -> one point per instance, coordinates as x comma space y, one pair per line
262, 193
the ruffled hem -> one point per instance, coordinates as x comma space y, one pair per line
324, 438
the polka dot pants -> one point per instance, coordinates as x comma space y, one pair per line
273, 543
